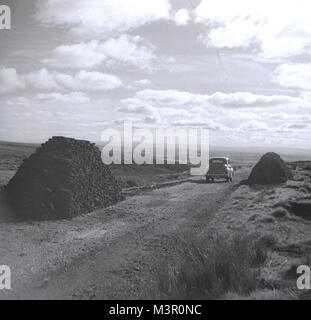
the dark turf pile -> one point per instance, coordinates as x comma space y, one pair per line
62, 179
270, 169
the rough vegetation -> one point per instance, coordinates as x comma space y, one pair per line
262, 235
63, 178
224, 265
289, 206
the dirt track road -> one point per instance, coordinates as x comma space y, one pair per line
111, 253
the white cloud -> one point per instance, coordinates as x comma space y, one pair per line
247, 99
135, 107
253, 126
182, 17
279, 28
290, 127
183, 99
288, 117
84, 55
72, 97
209, 124
305, 95
151, 120
87, 55
84, 80
164, 98
98, 17
238, 112
44, 79
9, 80
294, 75
19, 101
143, 82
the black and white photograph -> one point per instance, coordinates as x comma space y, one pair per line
155, 150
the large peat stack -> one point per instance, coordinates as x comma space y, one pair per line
63, 178
271, 169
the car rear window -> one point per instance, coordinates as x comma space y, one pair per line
217, 161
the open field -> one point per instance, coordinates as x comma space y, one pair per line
189, 240
12, 155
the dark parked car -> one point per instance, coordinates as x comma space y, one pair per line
219, 168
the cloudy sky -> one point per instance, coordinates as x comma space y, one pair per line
241, 68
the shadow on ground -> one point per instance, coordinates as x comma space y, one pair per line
210, 182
